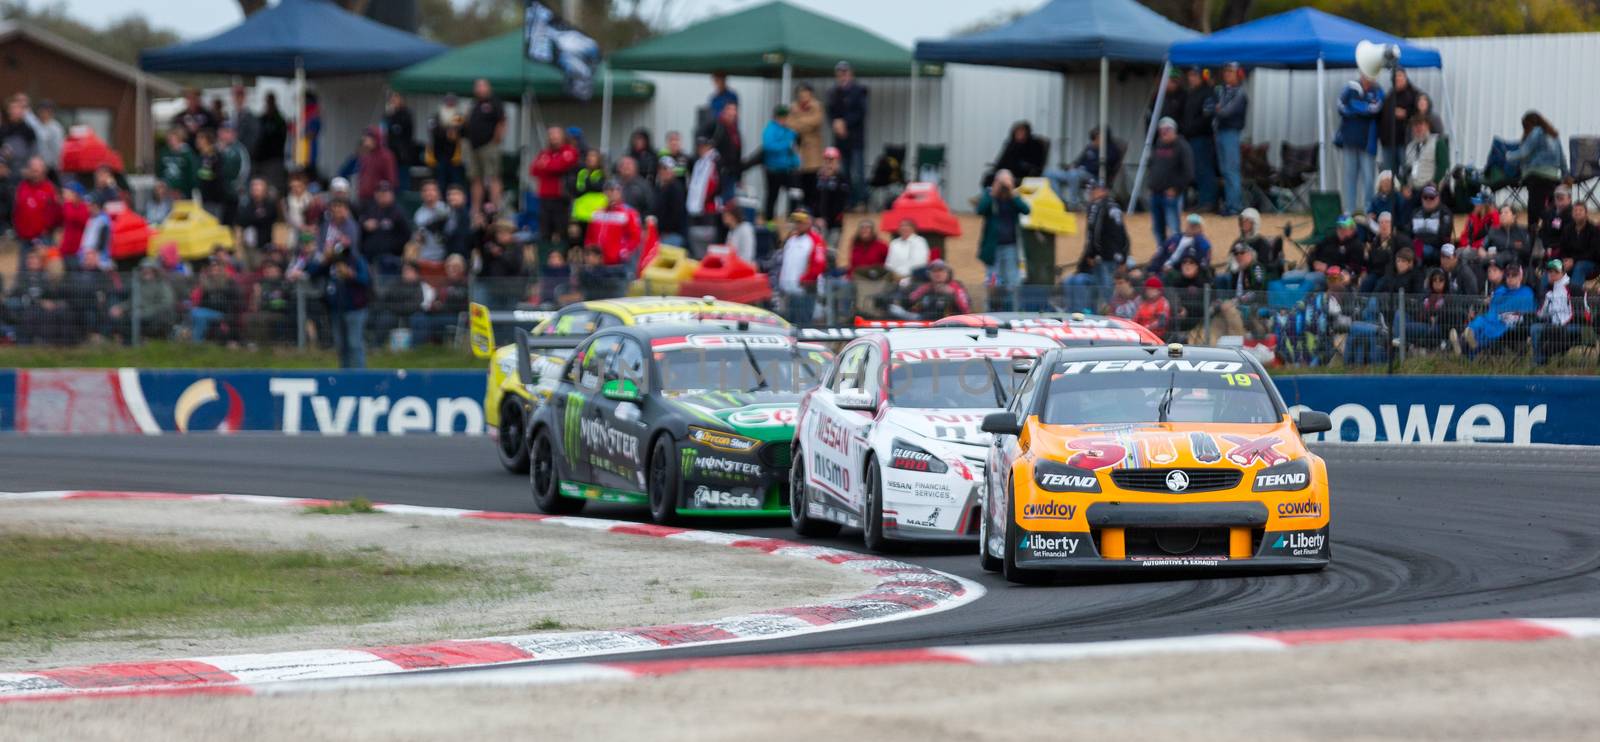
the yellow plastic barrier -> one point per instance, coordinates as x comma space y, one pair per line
671, 267
196, 232
1048, 213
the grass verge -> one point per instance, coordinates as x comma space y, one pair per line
59, 588
194, 355
358, 506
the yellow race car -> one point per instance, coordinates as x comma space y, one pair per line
1130, 458
509, 400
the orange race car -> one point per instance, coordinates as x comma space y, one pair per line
1159, 456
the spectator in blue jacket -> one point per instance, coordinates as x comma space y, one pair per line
847, 108
779, 159
1191, 242
1543, 165
1508, 317
1228, 106
1069, 182
1359, 105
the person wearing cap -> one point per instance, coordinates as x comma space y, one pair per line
1154, 312
550, 170
385, 229
1399, 105
1187, 282
806, 119
1458, 275
348, 287
801, 260
1171, 169
1504, 323
1579, 246
939, 297
1554, 332
1228, 105
444, 151
1357, 136
1190, 242
1172, 100
831, 192
375, 164
672, 203
1432, 225
1002, 210
74, 217
1343, 248
847, 110
1105, 249
616, 229
1424, 153
779, 160
1195, 126
1483, 217
484, 130
1244, 290
1024, 154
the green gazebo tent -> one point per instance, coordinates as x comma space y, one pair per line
500, 60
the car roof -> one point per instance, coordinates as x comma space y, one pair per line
633, 306
945, 337
1143, 353
684, 329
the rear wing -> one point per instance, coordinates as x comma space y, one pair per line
482, 321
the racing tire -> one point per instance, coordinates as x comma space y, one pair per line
985, 561
872, 509
804, 524
662, 481
1008, 566
545, 480
512, 448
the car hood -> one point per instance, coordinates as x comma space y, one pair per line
1166, 445
768, 416
953, 426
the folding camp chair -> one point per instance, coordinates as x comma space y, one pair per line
1585, 155
1297, 174
930, 163
1258, 175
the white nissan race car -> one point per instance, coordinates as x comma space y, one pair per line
889, 442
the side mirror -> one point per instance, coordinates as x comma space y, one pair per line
622, 390
856, 401
1001, 423
1311, 421
1023, 364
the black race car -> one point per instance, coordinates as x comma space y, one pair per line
690, 419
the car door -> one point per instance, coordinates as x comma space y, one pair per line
836, 434
616, 446
1003, 452
579, 407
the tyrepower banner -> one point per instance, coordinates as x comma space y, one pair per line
312, 402
1514, 410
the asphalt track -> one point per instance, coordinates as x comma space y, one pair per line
1419, 534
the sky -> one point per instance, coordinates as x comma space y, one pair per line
903, 21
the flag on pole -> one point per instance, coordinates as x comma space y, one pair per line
549, 39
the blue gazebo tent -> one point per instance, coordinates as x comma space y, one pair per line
1067, 35
1300, 39
296, 39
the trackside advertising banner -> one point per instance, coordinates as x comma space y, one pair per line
1451, 409
226, 401
1393, 409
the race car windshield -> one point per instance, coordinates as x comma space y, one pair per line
964, 384
1137, 397
736, 369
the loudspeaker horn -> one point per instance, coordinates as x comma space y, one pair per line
1372, 58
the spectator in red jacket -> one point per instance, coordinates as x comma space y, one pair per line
1480, 220
550, 170
867, 248
616, 229
375, 165
941, 296
1154, 312
801, 260
74, 218
38, 207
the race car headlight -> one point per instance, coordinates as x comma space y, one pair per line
1054, 476
903, 455
1286, 477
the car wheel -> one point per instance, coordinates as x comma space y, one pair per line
663, 481
1009, 559
513, 444
803, 523
872, 509
987, 562
544, 480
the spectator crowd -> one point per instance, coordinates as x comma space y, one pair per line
391, 245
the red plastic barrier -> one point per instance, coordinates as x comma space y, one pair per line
922, 204
130, 235
748, 290
721, 264
84, 151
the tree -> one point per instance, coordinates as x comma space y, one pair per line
121, 39
995, 19
615, 24
1424, 18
